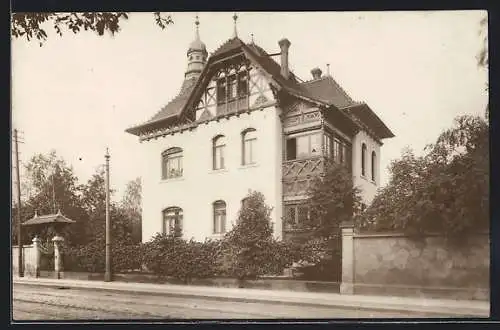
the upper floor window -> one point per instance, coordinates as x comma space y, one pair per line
303, 146
249, 139
172, 163
172, 221
219, 217
232, 86
219, 144
363, 159
374, 160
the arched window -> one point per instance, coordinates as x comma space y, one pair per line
374, 160
219, 217
249, 139
363, 159
172, 221
171, 163
219, 144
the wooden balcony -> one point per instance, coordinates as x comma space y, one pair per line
299, 173
232, 106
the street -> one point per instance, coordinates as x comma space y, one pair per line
52, 303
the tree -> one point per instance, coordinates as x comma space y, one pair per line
482, 58
131, 204
94, 201
445, 191
53, 186
251, 249
333, 199
34, 25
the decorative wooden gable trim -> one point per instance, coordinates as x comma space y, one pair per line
298, 113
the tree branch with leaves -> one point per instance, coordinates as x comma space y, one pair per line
35, 25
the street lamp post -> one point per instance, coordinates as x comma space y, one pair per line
107, 274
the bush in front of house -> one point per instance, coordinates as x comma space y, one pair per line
171, 256
250, 249
91, 257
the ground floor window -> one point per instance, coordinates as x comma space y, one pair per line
219, 217
172, 221
296, 216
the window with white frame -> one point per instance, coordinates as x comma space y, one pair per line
303, 146
219, 217
172, 221
219, 145
363, 159
249, 139
374, 160
172, 163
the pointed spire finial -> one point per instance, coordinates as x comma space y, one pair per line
235, 18
197, 23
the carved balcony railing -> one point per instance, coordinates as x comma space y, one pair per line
298, 175
232, 106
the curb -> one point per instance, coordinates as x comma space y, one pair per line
382, 307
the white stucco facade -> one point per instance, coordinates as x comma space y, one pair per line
200, 186
365, 183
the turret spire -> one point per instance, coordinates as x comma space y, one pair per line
196, 54
235, 18
197, 32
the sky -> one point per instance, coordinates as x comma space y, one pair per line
77, 94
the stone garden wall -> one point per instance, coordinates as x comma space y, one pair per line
429, 266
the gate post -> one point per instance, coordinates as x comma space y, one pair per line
347, 284
58, 266
36, 250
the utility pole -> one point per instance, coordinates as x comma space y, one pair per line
107, 274
19, 236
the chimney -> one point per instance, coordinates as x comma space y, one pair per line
316, 73
284, 45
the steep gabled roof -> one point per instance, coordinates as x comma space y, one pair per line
328, 90
174, 107
325, 92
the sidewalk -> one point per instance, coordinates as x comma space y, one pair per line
453, 308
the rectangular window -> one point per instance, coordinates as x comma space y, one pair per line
172, 221
232, 87
221, 91
315, 145
291, 149
296, 216
242, 84
172, 163
303, 215
290, 216
249, 157
219, 158
304, 146
328, 145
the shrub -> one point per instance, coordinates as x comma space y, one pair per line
92, 257
249, 247
171, 256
